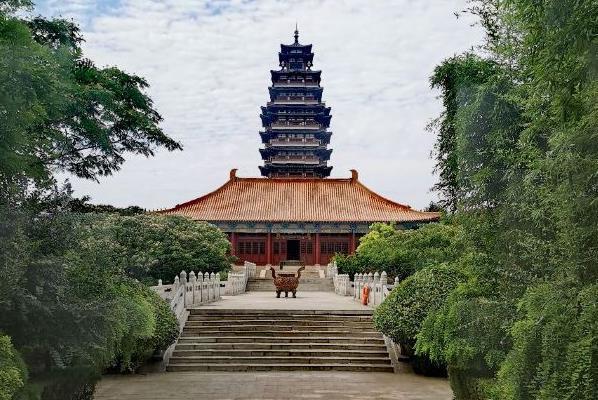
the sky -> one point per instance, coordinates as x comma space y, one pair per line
208, 63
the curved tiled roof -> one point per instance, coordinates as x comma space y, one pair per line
297, 200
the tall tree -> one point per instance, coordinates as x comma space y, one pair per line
523, 144
59, 112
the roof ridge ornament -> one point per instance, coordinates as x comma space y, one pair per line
233, 174
296, 34
354, 175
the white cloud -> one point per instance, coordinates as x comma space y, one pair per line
208, 65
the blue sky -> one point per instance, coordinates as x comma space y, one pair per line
208, 66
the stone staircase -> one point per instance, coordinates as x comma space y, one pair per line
280, 340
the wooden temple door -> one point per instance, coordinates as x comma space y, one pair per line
307, 251
279, 250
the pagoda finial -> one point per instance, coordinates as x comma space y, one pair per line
296, 34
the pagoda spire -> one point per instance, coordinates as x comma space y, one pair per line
295, 120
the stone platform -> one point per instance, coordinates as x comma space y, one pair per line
304, 301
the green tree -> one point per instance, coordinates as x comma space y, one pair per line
402, 252
152, 247
69, 307
58, 111
524, 148
13, 373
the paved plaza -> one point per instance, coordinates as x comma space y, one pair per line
273, 385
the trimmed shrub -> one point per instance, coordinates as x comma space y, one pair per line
401, 315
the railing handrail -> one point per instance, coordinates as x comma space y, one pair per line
376, 282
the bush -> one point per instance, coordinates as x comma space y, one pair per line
402, 313
349, 264
167, 326
13, 373
154, 328
156, 247
402, 252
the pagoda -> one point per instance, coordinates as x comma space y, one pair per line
295, 120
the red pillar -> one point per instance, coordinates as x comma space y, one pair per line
269, 249
353, 245
317, 249
233, 241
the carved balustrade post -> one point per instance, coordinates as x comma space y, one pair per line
218, 295
375, 289
192, 281
183, 281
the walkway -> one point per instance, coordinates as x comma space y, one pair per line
275, 385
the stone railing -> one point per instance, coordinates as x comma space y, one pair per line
237, 281
342, 284
378, 285
331, 270
251, 269
189, 290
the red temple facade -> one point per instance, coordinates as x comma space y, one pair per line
295, 212
305, 219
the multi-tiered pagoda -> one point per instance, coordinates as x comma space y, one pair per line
300, 214
295, 119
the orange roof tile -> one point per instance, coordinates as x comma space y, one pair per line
297, 199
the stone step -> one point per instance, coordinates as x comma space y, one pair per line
310, 287
281, 367
187, 331
287, 339
187, 345
282, 317
240, 313
277, 360
380, 353
271, 322
282, 311
300, 290
280, 340
280, 327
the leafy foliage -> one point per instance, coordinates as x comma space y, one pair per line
68, 300
517, 158
59, 111
402, 313
402, 252
152, 247
400, 316
78, 310
13, 373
